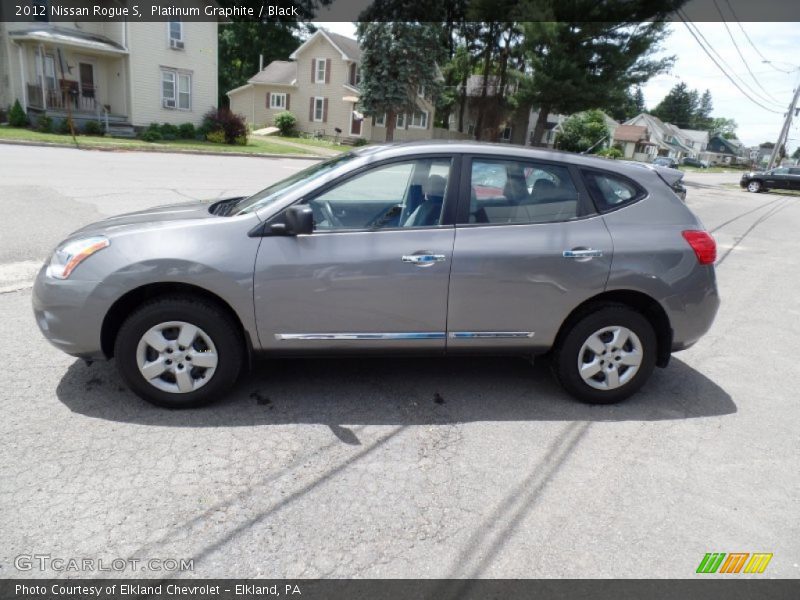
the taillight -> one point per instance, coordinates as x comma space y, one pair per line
704, 246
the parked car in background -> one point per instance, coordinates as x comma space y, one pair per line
694, 162
665, 161
389, 249
779, 178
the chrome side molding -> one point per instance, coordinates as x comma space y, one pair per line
418, 335
459, 335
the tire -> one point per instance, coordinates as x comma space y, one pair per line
598, 328
149, 343
754, 186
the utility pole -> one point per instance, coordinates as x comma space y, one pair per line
784, 130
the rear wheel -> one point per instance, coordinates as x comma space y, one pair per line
754, 186
179, 352
607, 355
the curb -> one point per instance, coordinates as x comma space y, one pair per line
160, 151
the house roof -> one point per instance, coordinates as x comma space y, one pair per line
346, 46
278, 72
696, 135
70, 37
630, 133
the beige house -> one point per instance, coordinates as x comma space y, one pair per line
320, 85
123, 74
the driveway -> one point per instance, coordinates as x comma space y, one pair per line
403, 467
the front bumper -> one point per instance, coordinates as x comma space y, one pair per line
65, 316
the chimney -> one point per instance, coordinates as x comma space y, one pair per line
260, 62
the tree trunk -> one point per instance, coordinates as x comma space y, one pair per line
390, 123
538, 129
462, 103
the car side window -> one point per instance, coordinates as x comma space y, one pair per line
400, 194
781, 171
794, 171
511, 191
611, 191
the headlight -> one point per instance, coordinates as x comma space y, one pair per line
71, 254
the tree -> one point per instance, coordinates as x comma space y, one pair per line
725, 127
631, 105
398, 59
702, 116
796, 153
589, 53
582, 131
678, 107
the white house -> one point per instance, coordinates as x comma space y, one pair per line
126, 74
320, 85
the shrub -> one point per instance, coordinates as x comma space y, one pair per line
360, 142
216, 137
169, 131
151, 135
44, 124
230, 124
3, 115
286, 122
186, 131
63, 126
93, 128
611, 153
17, 116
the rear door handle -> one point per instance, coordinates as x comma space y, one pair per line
423, 260
587, 253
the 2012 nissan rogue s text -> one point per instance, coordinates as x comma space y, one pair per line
418, 248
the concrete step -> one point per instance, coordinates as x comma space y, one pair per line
121, 130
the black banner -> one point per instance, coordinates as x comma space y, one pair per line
733, 588
65, 11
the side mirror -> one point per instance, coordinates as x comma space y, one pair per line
299, 219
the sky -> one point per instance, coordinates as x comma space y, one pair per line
777, 42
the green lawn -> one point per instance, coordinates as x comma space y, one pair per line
255, 145
716, 169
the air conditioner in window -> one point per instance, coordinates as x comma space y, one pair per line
168, 103
176, 44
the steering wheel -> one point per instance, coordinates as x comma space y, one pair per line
327, 212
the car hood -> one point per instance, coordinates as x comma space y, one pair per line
157, 216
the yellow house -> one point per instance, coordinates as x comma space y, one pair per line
122, 74
320, 85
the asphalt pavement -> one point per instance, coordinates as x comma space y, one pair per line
396, 468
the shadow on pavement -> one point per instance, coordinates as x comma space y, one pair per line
395, 391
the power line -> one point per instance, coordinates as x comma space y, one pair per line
736, 85
747, 66
709, 46
764, 58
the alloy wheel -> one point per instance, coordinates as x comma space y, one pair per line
610, 357
176, 357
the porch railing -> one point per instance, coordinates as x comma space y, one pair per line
69, 96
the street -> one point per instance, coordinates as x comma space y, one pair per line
413, 467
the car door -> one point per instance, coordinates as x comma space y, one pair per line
777, 178
524, 258
374, 272
794, 178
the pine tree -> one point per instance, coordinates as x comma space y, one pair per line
398, 59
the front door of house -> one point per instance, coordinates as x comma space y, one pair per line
355, 124
87, 82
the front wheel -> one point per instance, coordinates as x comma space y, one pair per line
179, 352
754, 186
607, 355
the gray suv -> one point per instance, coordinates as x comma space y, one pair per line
417, 248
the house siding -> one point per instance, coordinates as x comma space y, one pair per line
150, 52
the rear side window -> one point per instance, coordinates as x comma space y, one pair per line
510, 191
612, 191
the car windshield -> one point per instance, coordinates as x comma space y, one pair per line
276, 191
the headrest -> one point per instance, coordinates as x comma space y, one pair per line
435, 186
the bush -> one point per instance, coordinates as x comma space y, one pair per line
44, 124
152, 135
360, 142
230, 124
610, 153
169, 131
63, 126
216, 137
17, 116
3, 115
286, 122
186, 131
93, 128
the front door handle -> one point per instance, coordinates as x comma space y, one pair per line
582, 253
423, 260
